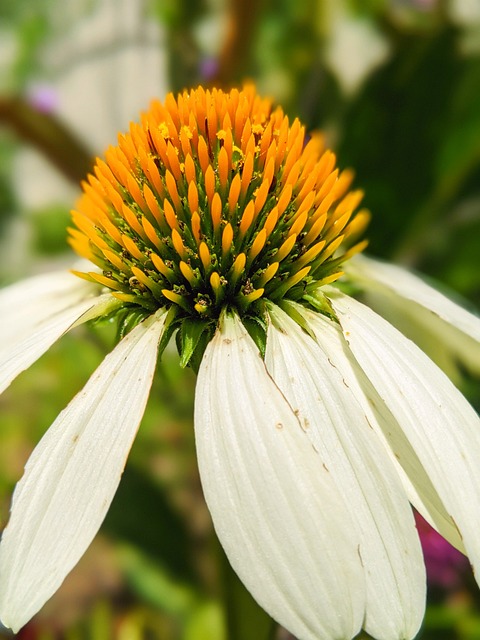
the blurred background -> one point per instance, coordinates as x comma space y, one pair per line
395, 85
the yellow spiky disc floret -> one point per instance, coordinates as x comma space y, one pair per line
215, 200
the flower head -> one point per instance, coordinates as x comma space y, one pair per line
216, 201
317, 422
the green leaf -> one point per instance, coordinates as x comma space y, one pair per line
141, 515
393, 132
156, 585
206, 623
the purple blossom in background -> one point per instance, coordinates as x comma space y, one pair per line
208, 68
43, 98
446, 567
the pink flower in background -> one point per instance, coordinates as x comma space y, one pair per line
43, 98
447, 568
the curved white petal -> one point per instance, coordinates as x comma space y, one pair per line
280, 518
423, 305
37, 312
422, 494
316, 380
38, 294
71, 477
442, 428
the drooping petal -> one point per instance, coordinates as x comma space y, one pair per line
71, 477
37, 312
401, 296
423, 494
282, 522
442, 428
313, 377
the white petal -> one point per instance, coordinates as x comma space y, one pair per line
71, 477
279, 516
423, 495
36, 295
37, 312
313, 377
442, 428
453, 326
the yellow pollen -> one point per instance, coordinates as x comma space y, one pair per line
163, 129
187, 132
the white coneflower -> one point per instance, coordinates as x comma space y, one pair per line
317, 422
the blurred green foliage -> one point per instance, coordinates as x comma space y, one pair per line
409, 124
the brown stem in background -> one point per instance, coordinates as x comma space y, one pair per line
242, 20
50, 136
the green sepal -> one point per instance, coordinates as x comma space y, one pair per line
128, 319
204, 339
106, 308
257, 329
319, 301
293, 310
189, 336
171, 324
